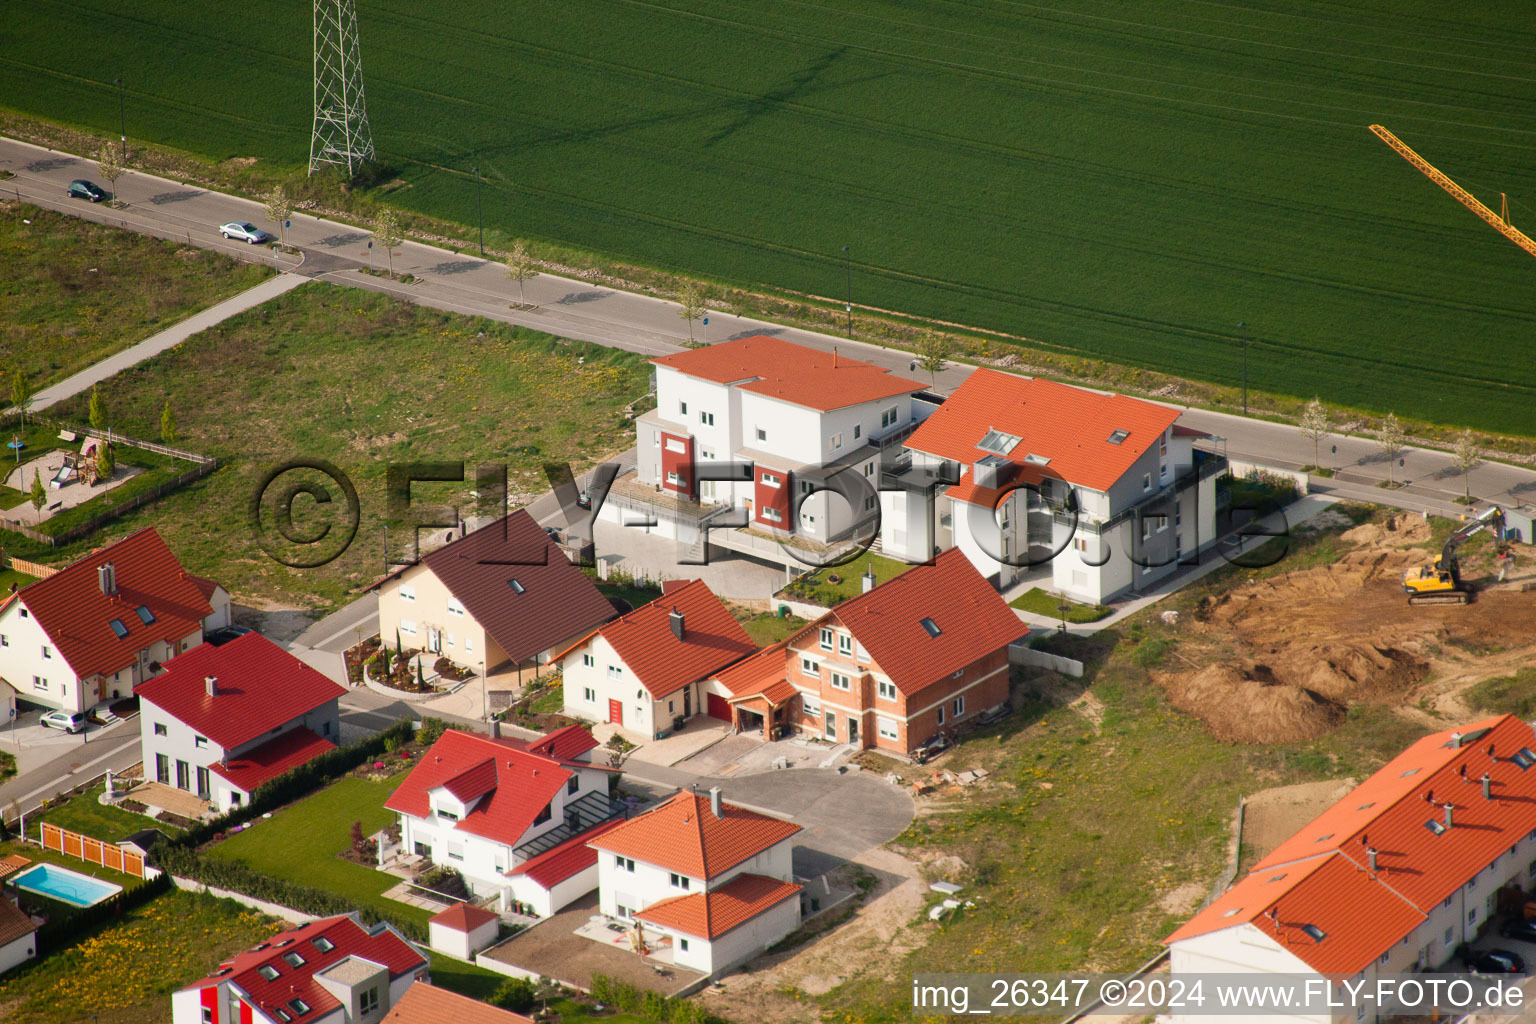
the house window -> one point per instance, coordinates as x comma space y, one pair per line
870, 503
368, 1000
762, 435
544, 815
1081, 544
959, 705
1146, 481
682, 944
834, 442
1146, 527
208, 1015
118, 628
674, 480
624, 864
590, 694
941, 714
572, 785
407, 593
831, 726
294, 959
772, 514
517, 586
707, 418
39, 683
162, 769
441, 813
3, 641
840, 681
813, 710
887, 728
682, 408
588, 661
159, 728
809, 668
199, 741
678, 881
826, 639
615, 672
454, 608
888, 418
298, 1006
857, 430
769, 480
268, 971
1178, 515
869, 469
455, 850
887, 690
845, 644
469, 644
674, 445
408, 626
1162, 474
47, 651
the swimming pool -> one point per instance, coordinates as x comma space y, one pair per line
65, 885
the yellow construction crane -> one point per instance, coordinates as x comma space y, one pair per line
1499, 223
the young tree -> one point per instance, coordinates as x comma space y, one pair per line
279, 205
109, 163
1390, 439
98, 408
1467, 455
933, 351
39, 493
520, 268
1313, 425
691, 306
515, 994
167, 424
21, 392
106, 462
386, 231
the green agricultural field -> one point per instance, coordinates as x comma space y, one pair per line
1123, 182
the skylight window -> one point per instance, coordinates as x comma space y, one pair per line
1233, 912
145, 615
517, 586
997, 442
1037, 460
1524, 757
268, 971
1316, 933
1410, 771
1437, 827
118, 628
1323, 839
1277, 878
324, 944
1366, 807
298, 1006
294, 959
1119, 436
932, 627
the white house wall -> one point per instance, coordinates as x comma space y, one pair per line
18, 951
746, 941
643, 715
22, 662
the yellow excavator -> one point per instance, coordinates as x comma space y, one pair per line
1441, 583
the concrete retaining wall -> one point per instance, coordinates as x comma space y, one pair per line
274, 909
1242, 469
1023, 654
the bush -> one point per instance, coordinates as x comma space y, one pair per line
626, 997
515, 994
431, 729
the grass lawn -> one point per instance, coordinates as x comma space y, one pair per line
550, 702
1512, 695
286, 380
74, 292
300, 843
1043, 602
818, 587
634, 594
1098, 817
85, 815
126, 971
1198, 174
10, 497
765, 628
10, 576
465, 979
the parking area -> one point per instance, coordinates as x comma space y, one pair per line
632, 551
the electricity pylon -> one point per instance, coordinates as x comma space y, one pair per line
341, 133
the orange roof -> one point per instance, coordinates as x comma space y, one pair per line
277, 756
1070, 426
683, 835
205, 585
462, 917
428, 1004
791, 373
1399, 813
712, 639
710, 915
77, 616
750, 675
775, 694
971, 620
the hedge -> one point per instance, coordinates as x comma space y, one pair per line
633, 999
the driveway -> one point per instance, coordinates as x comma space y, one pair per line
642, 555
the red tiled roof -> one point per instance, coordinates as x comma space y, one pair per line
750, 675
776, 693
76, 615
791, 373
710, 915
349, 938
14, 922
1068, 425
205, 586
463, 917
525, 783
261, 687
557, 600
663, 664
428, 1004
274, 757
973, 621
565, 744
1417, 867
474, 781
667, 586
683, 835
571, 857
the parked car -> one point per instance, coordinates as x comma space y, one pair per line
1525, 931
87, 190
224, 634
69, 721
245, 232
931, 749
1496, 961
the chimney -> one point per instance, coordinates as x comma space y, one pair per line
1429, 797
495, 728
1449, 822
834, 357
1455, 740
716, 808
676, 618
106, 575
1370, 853
1487, 786
212, 682
1491, 753
869, 578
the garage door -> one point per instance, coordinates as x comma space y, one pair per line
719, 707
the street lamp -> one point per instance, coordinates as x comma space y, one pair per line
847, 291
122, 119
478, 216
1244, 328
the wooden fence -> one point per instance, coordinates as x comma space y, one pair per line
92, 851
33, 569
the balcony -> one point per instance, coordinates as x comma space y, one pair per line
580, 815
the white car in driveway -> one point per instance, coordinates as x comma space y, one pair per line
69, 721
244, 232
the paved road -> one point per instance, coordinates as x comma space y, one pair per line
580, 310
113, 748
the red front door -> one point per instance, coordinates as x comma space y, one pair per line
616, 712
719, 707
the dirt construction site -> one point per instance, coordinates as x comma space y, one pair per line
1280, 659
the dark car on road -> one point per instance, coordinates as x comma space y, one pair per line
1524, 931
1496, 961
224, 634
87, 190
